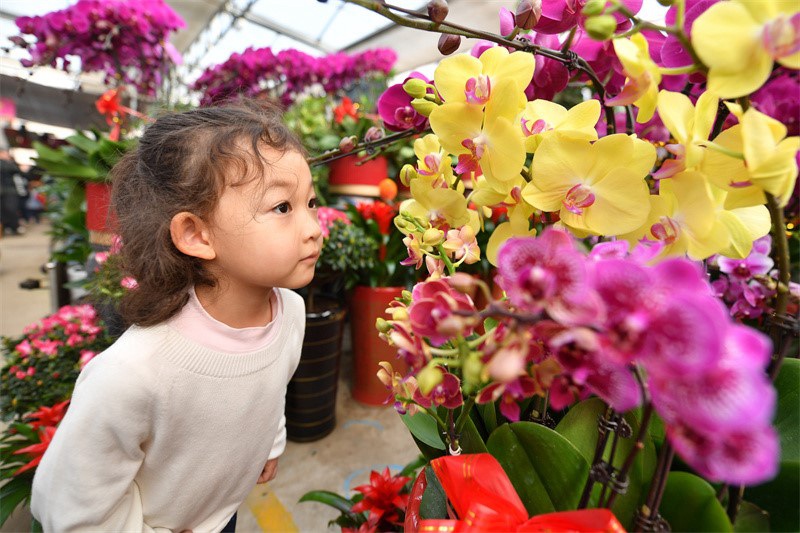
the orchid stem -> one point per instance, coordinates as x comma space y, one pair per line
721, 149
462, 418
781, 254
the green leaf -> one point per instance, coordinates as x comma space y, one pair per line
428, 452
12, 494
83, 143
690, 504
434, 501
780, 496
471, 440
489, 324
547, 471
328, 498
579, 426
488, 413
413, 466
423, 426
751, 518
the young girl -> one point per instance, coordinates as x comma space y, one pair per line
171, 427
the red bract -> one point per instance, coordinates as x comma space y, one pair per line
382, 497
48, 416
36, 450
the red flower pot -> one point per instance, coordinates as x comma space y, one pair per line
367, 305
350, 176
99, 216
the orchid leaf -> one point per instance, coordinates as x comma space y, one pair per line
12, 494
547, 471
424, 428
579, 426
690, 504
751, 518
470, 439
488, 414
779, 497
328, 498
434, 500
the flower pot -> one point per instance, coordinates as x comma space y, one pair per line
311, 394
99, 216
367, 305
349, 177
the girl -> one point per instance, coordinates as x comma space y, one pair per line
170, 428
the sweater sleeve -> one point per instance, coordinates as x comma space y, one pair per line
279, 444
86, 478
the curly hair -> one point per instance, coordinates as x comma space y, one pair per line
183, 162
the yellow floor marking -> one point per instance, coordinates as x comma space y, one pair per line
269, 512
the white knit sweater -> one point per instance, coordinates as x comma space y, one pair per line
165, 433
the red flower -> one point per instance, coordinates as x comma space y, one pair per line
382, 497
48, 416
346, 109
382, 213
36, 450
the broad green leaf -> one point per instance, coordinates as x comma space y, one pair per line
328, 498
83, 142
471, 440
488, 413
413, 466
434, 501
780, 496
579, 426
424, 428
12, 494
70, 170
428, 452
751, 518
547, 471
690, 504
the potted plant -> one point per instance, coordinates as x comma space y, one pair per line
377, 287
347, 250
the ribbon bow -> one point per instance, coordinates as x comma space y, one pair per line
483, 496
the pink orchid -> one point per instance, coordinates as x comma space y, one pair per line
431, 312
447, 393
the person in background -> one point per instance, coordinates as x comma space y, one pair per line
172, 426
36, 201
9, 201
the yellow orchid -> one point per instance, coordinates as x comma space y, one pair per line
436, 206
596, 187
690, 126
463, 245
739, 40
641, 86
682, 217
543, 116
752, 157
485, 143
744, 224
465, 79
433, 162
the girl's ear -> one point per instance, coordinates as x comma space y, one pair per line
191, 235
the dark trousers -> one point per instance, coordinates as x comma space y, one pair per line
230, 527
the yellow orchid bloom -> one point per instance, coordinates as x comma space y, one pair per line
641, 86
542, 116
597, 187
433, 161
437, 206
739, 40
752, 157
744, 224
690, 126
465, 79
485, 143
682, 217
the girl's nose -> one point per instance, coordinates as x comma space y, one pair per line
313, 230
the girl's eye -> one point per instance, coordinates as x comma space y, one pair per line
313, 203
283, 208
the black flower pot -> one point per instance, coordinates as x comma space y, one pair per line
311, 394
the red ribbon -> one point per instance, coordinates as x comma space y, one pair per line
483, 496
110, 106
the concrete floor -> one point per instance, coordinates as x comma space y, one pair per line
365, 437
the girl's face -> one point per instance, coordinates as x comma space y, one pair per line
267, 234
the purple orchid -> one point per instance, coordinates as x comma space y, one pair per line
779, 99
758, 263
510, 394
394, 107
447, 393
431, 313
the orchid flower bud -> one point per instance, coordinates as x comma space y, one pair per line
374, 134
428, 378
593, 8
407, 173
382, 325
416, 88
528, 14
601, 28
423, 106
437, 10
432, 237
347, 144
448, 43
463, 283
